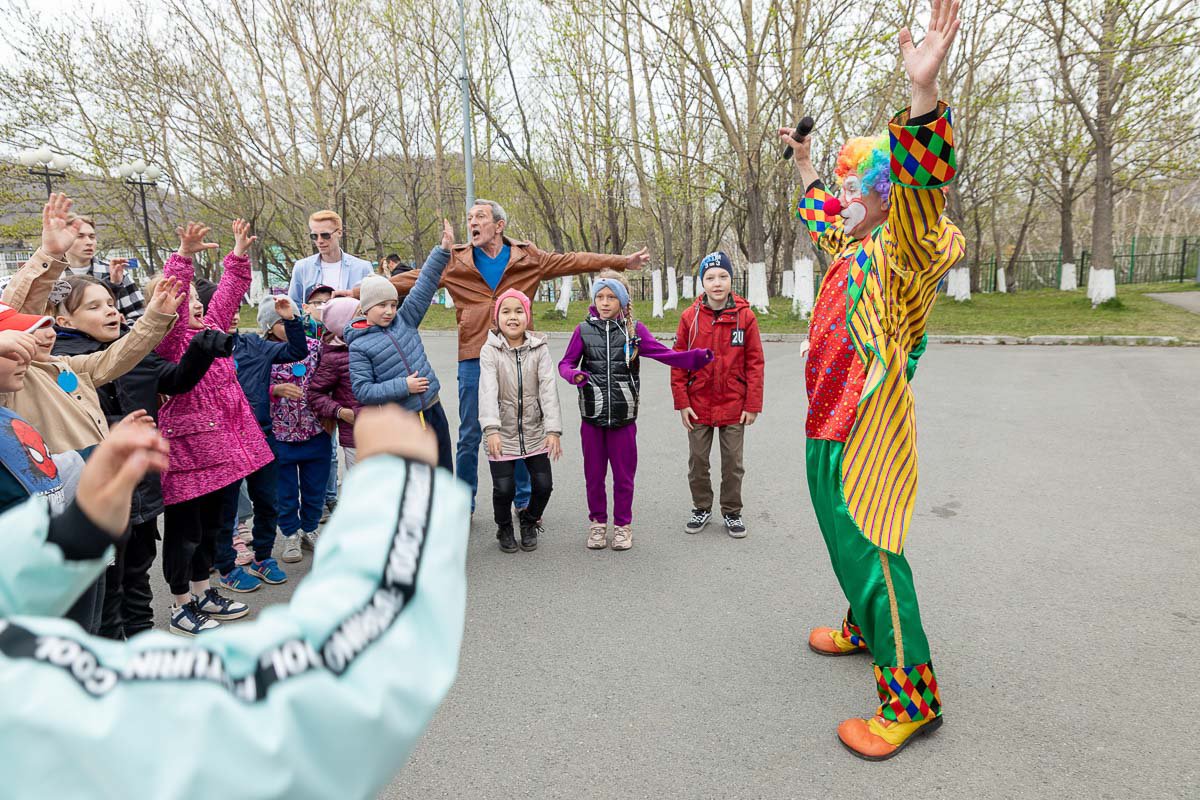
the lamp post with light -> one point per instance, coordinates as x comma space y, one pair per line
44, 164
146, 176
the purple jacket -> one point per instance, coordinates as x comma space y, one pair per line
329, 390
214, 437
294, 420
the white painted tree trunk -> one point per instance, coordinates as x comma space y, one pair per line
757, 289
656, 289
789, 283
958, 285
1102, 285
447, 300
672, 291
258, 288
1067, 281
804, 290
1001, 281
688, 289
564, 295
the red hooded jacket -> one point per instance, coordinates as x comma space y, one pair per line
733, 382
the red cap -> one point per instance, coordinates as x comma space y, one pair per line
13, 320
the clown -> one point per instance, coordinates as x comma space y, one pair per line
890, 244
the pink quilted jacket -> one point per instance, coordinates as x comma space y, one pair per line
214, 437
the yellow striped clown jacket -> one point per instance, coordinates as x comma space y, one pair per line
893, 279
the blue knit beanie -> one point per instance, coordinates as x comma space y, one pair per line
717, 260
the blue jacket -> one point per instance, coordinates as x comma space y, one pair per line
381, 359
332, 689
253, 357
306, 273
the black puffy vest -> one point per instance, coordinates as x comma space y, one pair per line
609, 399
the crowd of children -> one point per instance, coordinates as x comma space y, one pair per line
254, 420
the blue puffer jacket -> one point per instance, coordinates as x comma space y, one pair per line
381, 359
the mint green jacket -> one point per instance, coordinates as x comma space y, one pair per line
323, 697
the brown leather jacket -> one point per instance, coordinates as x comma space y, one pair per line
527, 267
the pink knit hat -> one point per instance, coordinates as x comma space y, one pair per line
504, 296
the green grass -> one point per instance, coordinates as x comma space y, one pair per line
1032, 313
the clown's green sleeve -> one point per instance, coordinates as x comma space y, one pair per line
332, 690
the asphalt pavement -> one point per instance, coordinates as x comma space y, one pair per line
1056, 551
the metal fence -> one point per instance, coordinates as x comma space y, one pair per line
1144, 260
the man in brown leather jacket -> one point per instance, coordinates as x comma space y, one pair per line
479, 271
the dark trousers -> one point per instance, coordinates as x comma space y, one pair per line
303, 473
436, 421
190, 539
127, 596
504, 488
88, 607
263, 486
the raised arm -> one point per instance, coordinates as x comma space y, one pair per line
416, 305
357, 661
181, 267
235, 280
650, 347
556, 265
124, 354
205, 347
29, 290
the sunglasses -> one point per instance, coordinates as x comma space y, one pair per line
324, 236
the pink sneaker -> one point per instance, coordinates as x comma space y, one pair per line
243, 533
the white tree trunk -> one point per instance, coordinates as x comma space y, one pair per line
804, 290
258, 288
958, 285
1102, 285
656, 288
672, 291
757, 289
789, 283
564, 295
1067, 281
447, 300
1001, 281
688, 288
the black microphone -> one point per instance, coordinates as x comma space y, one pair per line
803, 128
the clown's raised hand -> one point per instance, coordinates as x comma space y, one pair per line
922, 62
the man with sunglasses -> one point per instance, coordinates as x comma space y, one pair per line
329, 266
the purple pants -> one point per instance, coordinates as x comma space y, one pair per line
601, 447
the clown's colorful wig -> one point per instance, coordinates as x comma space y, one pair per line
869, 158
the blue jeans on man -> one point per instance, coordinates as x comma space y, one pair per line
470, 435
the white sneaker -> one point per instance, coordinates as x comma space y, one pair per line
188, 620
291, 549
309, 539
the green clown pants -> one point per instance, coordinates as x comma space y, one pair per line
879, 586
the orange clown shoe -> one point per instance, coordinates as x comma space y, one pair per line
832, 642
878, 739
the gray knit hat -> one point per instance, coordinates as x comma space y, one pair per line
267, 315
375, 289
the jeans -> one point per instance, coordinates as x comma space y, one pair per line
262, 486
470, 435
303, 473
331, 493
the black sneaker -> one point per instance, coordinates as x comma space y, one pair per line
698, 522
735, 526
529, 534
507, 542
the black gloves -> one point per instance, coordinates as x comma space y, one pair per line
213, 343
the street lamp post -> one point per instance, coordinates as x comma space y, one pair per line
146, 176
45, 165
465, 88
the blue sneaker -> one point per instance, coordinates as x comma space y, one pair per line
239, 580
267, 571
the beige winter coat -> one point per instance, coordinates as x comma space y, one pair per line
518, 394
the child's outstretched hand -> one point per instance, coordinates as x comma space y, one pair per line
284, 307
493, 445
191, 239
57, 234
167, 297
242, 240
447, 235
554, 446
417, 384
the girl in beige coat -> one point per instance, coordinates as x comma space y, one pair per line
519, 414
